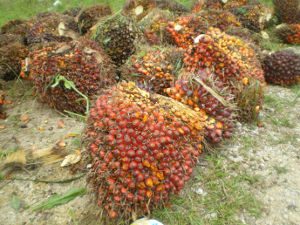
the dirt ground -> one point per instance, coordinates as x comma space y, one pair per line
271, 153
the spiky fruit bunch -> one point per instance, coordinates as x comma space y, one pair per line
2, 102
288, 11
253, 16
282, 67
91, 15
154, 26
11, 56
64, 74
185, 29
230, 58
198, 5
203, 91
117, 35
289, 33
52, 27
153, 69
16, 27
144, 148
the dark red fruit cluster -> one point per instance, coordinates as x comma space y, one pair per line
282, 67
142, 152
81, 62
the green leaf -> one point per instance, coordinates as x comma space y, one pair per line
15, 202
57, 200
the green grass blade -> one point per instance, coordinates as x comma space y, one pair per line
57, 200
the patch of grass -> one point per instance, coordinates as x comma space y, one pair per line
226, 198
24, 9
282, 122
280, 169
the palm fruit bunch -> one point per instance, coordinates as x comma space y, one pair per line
117, 35
154, 25
287, 11
289, 33
52, 27
16, 27
11, 56
233, 61
153, 69
230, 58
68, 75
282, 67
2, 102
202, 91
185, 29
253, 16
143, 149
91, 15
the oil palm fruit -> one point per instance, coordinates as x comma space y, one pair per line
289, 33
17, 27
67, 76
143, 149
153, 68
90, 16
202, 91
253, 16
185, 29
117, 35
282, 67
154, 25
11, 56
287, 11
233, 62
73, 12
52, 27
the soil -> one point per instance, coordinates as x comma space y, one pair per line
271, 152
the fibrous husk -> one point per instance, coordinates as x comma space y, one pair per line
118, 36
153, 68
67, 76
90, 16
287, 11
52, 27
289, 33
11, 56
203, 91
143, 148
282, 67
185, 29
154, 25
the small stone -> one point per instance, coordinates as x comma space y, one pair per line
23, 126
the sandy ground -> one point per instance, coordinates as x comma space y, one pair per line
271, 152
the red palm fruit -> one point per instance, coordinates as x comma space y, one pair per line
282, 68
61, 81
289, 33
138, 176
